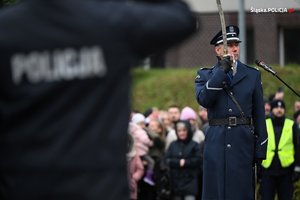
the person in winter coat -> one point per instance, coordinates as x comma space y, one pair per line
135, 168
236, 138
156, 132
183, 159
144, 143
282, 163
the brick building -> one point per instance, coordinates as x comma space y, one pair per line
272, 33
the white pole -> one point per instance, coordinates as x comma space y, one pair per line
281, 47
242, 27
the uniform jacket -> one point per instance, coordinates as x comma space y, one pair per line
64, 92
184, 180
229, 152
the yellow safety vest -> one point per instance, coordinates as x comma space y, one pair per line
285, 146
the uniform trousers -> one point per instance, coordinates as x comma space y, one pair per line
281, 184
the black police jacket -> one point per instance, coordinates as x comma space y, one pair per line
64, 92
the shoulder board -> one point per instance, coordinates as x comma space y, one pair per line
206, 68
255, 68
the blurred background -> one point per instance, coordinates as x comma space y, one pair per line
272, 36
269, 30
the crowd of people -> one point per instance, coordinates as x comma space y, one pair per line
161, 138
172, 163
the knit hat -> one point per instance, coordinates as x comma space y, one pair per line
187, 113
277, 103
137, 118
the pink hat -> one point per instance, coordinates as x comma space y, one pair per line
187, 113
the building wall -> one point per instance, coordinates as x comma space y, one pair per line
208, 6
265, 37
196, 51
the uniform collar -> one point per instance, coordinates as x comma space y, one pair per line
240, 74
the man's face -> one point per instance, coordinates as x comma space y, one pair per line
233, 50
278, 111
203, 114
175, 113
267, 108
298, 119
297, 106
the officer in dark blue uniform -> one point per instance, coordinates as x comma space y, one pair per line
237, 137
64, 92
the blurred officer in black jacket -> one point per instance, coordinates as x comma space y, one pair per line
64, 86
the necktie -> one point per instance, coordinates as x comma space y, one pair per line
234, 68
230, 76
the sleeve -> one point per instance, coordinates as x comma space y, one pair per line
194, 161
145, 138
296, 145
208, 85
172, 162
157, 26
259, 121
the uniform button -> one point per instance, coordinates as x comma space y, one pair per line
229, 127
230, 110
228, 145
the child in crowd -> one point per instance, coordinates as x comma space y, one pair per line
135, 168
143, 143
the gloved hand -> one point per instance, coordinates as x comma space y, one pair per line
225, 63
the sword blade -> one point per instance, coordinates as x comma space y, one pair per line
222, 19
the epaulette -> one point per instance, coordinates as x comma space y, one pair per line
256, 68
206, 68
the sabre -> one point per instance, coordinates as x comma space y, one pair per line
222, 19
224, 34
